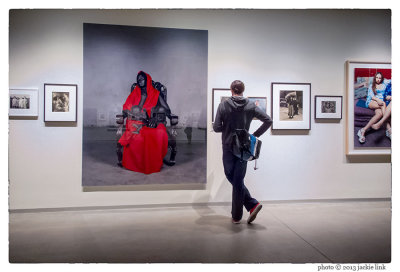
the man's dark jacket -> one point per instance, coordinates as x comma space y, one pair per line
227, 113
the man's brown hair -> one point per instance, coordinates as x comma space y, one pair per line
237, 87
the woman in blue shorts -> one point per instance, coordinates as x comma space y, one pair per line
375, 101
388, 112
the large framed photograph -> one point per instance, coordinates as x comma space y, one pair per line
60, 102
23, 102
328, 107
219, 95
291, 105
369, 96
129, 153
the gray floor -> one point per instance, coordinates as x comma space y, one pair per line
310, 232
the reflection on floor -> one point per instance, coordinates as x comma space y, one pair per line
99, 162
309, 232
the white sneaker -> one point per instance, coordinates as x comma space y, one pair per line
253, 213
361, 138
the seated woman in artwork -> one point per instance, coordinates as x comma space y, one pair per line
388, 112
375, 101
145, 140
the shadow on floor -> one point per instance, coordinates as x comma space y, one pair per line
209, 217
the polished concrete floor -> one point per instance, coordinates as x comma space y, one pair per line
303, 232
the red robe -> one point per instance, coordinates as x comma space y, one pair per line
143, 152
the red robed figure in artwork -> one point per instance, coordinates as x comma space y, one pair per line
143, 148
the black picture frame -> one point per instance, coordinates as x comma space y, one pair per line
282, 119
331, 112
217, 96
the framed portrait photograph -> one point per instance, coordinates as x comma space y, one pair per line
369, 96
132, 155
291, 105
60, 102
23, 102
218, 96
328, 107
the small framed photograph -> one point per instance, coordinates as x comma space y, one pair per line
23, 102
260, 102
218, 96
368, 114
291, 105
328, 107
60, 102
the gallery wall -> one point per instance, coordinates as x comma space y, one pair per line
256, 46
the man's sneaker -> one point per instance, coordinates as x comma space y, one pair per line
253, 213
235, 222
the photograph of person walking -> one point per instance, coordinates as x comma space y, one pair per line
291, 106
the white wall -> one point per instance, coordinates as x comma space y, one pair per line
256, 46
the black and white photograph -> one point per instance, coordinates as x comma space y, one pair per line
60, 101
19, 101
23, 102
291, 105
328, 107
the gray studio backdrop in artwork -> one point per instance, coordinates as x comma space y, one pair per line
113, 56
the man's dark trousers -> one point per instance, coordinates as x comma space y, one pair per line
235, 171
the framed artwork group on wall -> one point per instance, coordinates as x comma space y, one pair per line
291, 105
60, 102
23, 102
368, 129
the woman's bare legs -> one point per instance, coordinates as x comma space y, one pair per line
386, 116
379, 112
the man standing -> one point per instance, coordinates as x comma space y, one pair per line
234, 167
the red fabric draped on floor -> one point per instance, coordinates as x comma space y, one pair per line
144, 151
